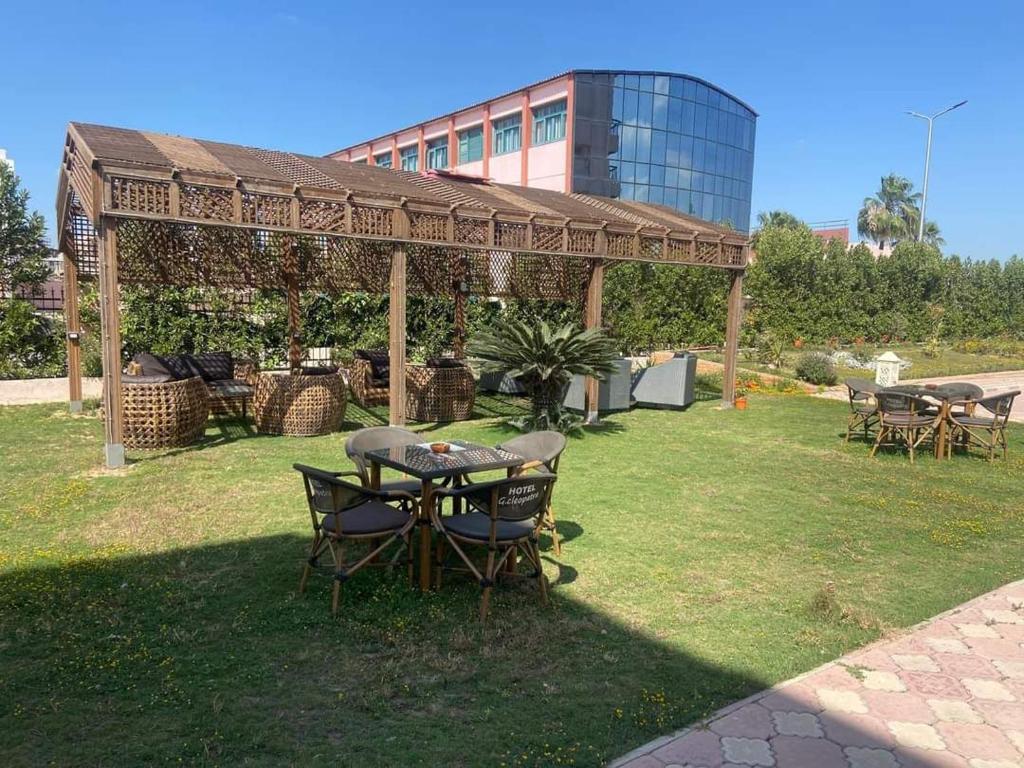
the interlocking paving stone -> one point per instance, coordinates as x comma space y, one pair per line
947, 694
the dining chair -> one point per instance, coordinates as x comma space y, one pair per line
342, 511
503, 516
904, 419
863, 408
362, 441
542, 451
984, 426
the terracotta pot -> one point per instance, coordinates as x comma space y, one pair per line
741, 403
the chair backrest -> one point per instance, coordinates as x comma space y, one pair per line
999, 406
964, 390
514, 498
545, 446
328, 494
374, 439
890, 401
860, 390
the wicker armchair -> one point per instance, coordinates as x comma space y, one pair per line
300, 405
444, 393
230, 397
366, 390
166, 414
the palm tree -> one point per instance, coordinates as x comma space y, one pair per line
783, 219
932, 236
892, 214
544, 361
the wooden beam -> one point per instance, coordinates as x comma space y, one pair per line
291, 276
396, 335
73, 327
595, 287
732, 337
110, 332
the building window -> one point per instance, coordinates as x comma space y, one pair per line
383, 160
409, 157
471, 144
437, 153
549, 122
507, 134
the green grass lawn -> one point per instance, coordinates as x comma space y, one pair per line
150, 615
949, 362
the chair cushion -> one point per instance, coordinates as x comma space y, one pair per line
972, 421
371, 517
214, 366
380, 363
908, 420
144, 379
477, 525
444, 362
413, 486
230, 388
162, 366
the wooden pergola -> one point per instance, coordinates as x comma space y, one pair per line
140, 208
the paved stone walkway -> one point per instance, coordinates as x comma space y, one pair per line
992, 383
948, 693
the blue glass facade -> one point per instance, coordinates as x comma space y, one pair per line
664, 138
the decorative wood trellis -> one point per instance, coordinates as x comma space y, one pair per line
147, 209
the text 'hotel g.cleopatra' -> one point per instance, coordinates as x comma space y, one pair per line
655, 137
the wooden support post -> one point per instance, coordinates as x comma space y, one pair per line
459, 340
396, 331
593, 320
73, 328
110, 332
732, 338
291, 276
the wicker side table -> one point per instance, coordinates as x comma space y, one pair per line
167, 414
300, 405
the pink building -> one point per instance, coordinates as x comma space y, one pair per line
649, 136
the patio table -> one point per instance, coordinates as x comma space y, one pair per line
944, 395
420, 462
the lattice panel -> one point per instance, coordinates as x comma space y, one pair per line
681, 250
372, 221
471, 231
547, 238
428, 226
140, 196
582, 241
506, 274
339, 265
431, 271
706, 253
733, 254
322, 215
507, 235
266, 210
211, 203
652, 248
620, 245
161, 253
80, 240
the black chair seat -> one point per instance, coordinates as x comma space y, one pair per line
972, 421
230, 388
908, 419
477, 525
367, 518
413, 486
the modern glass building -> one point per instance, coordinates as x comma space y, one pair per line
656, 137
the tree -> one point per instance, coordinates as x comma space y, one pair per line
892, 214
932, 236
778, 218
544, 361
22, 235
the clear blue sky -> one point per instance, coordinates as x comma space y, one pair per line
830, 80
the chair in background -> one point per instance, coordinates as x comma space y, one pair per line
342, 512
542, 451
863, 408
983, 425
369, 439
505, 516
904, 419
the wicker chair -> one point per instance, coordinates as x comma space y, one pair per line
444, 393
167, 414
368, 439
230, 398
542, 451
863, 409
904, 419
982, 423
300, 405
367, 390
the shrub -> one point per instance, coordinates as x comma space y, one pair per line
31, 345
816, 368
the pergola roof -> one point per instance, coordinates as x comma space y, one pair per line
131, 174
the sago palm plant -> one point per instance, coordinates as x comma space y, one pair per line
544, 360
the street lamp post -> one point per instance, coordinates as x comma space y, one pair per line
928, 159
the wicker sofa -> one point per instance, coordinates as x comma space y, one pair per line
229, 380
441, 390
163, 414
311, 403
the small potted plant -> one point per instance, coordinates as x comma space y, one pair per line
740, 398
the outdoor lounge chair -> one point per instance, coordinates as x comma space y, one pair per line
342, 512
863, 409
376, 438
504, 516
982, 423
542, 451
370, 377
904, 419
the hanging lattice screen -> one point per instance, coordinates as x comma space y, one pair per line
79, 240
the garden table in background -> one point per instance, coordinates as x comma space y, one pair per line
422, 463
944, 395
